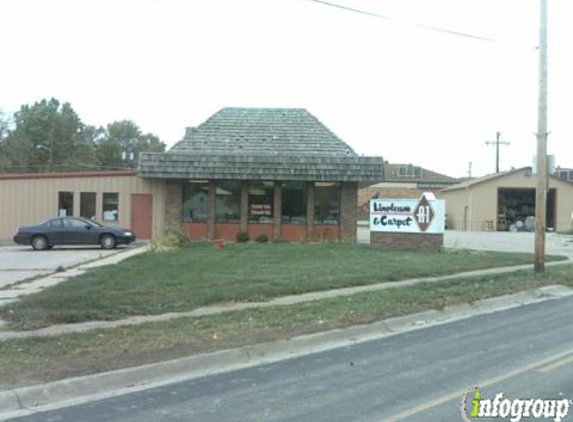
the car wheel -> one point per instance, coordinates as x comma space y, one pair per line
39, 242
107, 241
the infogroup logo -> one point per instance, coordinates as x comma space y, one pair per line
512, 409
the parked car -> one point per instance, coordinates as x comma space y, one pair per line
72, 231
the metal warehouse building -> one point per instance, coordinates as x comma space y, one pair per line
506, 201
111, 198
278, 172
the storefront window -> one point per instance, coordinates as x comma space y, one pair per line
261, 198
326, 203
110, 206
88, 205
294, 196
65, 204
228, 202
196, 201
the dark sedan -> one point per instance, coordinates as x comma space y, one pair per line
72, 231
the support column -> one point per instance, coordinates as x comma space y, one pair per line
173, 204
76, 204
277, 210
244, 225
212, 203
310, 212
348, 211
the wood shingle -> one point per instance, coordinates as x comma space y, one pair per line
261, 144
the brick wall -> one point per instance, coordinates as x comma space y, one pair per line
244, 206
348, 199
401, 241
212, 209
277, 208
173, 204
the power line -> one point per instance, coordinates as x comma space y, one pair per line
351, 9
417, 25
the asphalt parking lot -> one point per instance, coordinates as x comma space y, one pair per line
19, 263
555, 244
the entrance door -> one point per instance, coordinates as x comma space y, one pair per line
142, 215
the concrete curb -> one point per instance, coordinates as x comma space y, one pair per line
9, 403
27, 400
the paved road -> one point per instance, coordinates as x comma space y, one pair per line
19, 262
415, 376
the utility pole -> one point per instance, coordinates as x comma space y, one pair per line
470, 170
51, 147
497, 143
541, 191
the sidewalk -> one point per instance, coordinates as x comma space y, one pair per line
56, 330
36, 284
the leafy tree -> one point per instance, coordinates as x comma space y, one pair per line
4, 130
49, 136
4, 125
46, 136
122, 144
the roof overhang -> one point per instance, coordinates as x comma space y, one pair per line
260, 167
67, 175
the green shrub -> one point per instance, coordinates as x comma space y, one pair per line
242, 237
262, 238
168, 240
182, 237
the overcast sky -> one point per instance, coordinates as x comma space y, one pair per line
386, 86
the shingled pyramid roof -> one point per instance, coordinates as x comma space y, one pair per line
261, 144
261, 131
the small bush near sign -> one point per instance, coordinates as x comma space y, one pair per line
262, 238
242, 237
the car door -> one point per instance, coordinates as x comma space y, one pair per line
54, 230
77, 232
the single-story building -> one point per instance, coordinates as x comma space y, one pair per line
564, 173
506, 201
402, 181
278, 172
108, 197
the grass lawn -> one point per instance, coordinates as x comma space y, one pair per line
201, 275
35, 360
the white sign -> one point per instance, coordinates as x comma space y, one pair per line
424, 215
